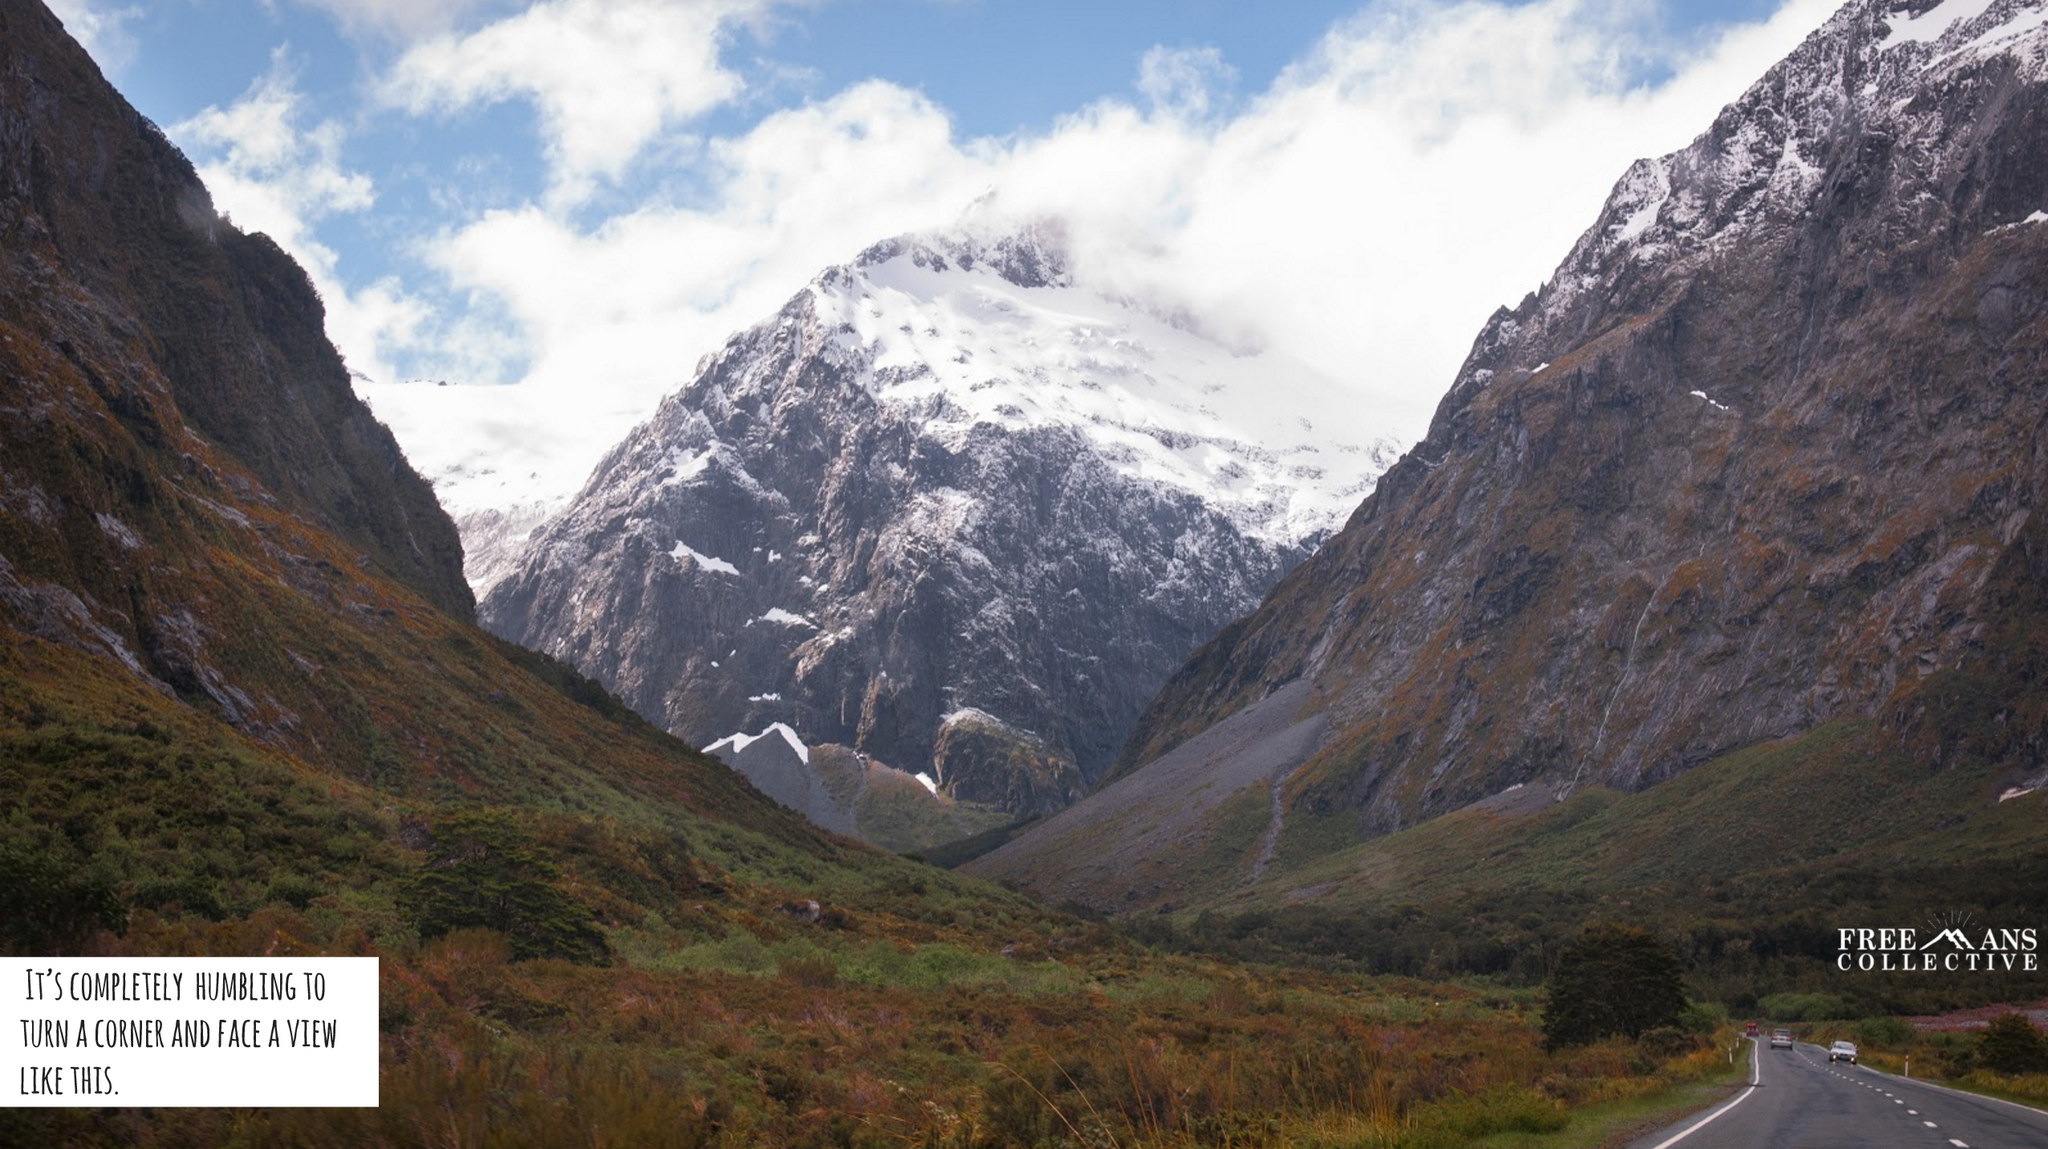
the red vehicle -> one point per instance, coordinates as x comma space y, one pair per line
1752, 1029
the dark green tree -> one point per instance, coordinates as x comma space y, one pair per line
485, 869
2011, 1044
1612, 979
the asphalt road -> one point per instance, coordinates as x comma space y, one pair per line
1800, 1101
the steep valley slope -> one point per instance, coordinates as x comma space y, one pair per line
235, 620
1752, 461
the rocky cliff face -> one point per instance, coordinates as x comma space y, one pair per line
114, 258
947, 508
171, 407
210, 553
1744, 464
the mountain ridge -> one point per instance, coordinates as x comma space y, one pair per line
1744, 464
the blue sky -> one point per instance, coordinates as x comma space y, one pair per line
998, 65
572, 200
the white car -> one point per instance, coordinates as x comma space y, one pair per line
1842, 1051
1781, 1039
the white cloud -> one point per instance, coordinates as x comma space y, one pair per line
404, 18
99, 30
602, 322
1182, 81
606, 76
1422, 166
270, 172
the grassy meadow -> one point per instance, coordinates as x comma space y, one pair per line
664, 977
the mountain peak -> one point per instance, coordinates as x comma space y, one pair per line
950, 477
1029, 253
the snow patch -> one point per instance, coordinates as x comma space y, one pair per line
2037, 217
2017, 792
975, 714
1795, 178
928, 781
684, 551
1650, 184
1932, 24
786, 618
1709, 399
2011, 30
740, 742
764, 698
685, 465
1641, 220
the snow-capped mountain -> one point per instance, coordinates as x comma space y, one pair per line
950, 507
1887, 109
989, 330
1764, 454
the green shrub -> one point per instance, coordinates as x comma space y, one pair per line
2011, 1045
484, 870
1702, 1017
1612, 980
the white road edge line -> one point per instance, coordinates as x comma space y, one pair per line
1755, 1077
1957, 1092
